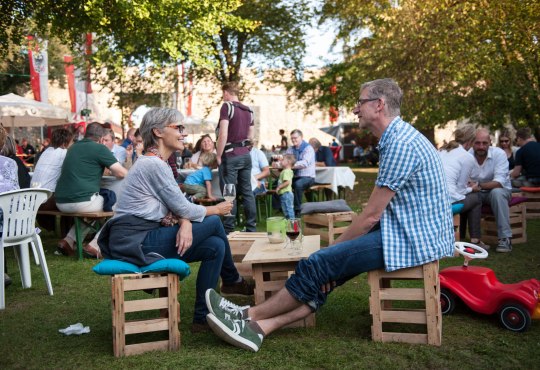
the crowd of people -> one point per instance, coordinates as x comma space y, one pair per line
159, 213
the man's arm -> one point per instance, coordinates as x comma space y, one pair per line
222, 139
263, 174
361, 224
516, 172
251, 133
118, 170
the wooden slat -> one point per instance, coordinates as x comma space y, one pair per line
413, 338
406, 317
135, 349
146, 326
405, 294
408, 273
145, 304
147, 283
272, 286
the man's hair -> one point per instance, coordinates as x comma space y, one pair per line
9, 149
315, 143
208, 159
297, 131
281, 131
231, 87
61, 136
524, 133
389, 89
94, 131
291, 158
131, 131
157, 118
109, 132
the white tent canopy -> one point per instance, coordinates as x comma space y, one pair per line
16, 111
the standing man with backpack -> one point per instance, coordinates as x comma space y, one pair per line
235, 130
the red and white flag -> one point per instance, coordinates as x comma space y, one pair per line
39, 69
79, 83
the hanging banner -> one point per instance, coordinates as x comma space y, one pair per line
80, 85
39, 69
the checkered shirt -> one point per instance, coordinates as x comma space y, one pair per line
417, 224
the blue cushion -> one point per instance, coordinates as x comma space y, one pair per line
112, 267
176, 266
457, 208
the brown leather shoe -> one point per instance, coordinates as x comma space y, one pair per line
199, 327
64, 248
242, 288
91, 251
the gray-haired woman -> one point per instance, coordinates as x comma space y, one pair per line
153, 219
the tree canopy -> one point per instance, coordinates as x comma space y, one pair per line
478, 59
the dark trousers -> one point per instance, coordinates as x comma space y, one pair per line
237, 170
299, 185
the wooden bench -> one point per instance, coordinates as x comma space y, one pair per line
518, 222
533, 201
78, 216
240, 243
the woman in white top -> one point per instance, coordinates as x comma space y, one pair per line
46, 176
204, 145
48, 168
458, 165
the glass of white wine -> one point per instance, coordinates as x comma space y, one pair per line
229, 194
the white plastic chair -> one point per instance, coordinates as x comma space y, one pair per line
19, 209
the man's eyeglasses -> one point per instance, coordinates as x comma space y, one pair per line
180, 128
362, 101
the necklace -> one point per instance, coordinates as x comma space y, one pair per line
154, 151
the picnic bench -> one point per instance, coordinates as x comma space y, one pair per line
77, 217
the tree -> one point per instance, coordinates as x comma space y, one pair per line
276, 42
478, 59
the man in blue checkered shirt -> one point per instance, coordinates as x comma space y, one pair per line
406, 222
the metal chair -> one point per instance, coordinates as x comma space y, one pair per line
19, 208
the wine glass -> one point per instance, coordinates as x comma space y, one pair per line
229, 194
293, 230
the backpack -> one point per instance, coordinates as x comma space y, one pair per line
230, 113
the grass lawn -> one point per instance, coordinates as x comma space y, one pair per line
29, 335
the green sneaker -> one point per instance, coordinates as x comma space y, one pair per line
223, 308
236, 332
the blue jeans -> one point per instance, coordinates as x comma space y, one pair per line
299, 185
339, 263
237, 170
286, 200
210, 246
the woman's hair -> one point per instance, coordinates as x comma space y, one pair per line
60, 137
505, 133
157, 118
9, 149
208, 159
199, 142
463, 134
3, 135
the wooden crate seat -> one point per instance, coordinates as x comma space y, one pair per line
383, 294
518, 222
533, 201
324, 224
166, 304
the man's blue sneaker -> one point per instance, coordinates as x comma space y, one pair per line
236, 332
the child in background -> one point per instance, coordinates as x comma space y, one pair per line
199, 183
284, 188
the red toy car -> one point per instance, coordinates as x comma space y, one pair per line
478, 288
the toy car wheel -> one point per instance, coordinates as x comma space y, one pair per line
448, 302
515, 317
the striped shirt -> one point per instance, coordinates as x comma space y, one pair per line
416, 226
